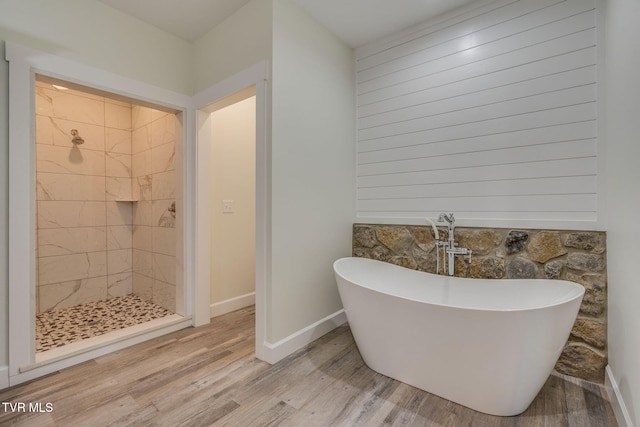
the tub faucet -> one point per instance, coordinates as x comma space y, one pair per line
449, 249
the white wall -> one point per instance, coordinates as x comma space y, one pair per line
312, 163
240, 41
489, 112
312, 153
233, 170
310, 120
90, 33
622, 135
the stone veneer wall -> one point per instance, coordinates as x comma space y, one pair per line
578, 256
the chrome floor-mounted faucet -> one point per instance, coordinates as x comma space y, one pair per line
449, 249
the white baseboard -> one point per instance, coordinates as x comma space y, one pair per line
233, 304
4, 377
278, 351
617, 403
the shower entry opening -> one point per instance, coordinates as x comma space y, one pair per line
108, 223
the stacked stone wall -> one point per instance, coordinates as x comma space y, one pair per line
578, 256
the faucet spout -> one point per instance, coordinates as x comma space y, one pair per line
451, 226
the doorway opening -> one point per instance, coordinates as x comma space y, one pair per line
233, 195
105, 215
68, 235
232, 286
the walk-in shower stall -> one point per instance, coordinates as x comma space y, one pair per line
105, 213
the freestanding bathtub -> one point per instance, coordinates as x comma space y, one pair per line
489, 345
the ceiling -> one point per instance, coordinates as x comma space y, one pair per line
356, 22
187, 19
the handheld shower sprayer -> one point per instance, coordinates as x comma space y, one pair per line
433, 226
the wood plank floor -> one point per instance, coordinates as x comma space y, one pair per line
209, 376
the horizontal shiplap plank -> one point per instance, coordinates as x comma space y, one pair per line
535, 153
579, 220
537, 119
455, 25
468, 49
525, 105
528, 88
520, 138
524, 203
369, 92
551, 168
563, 40
530, 71
584, 184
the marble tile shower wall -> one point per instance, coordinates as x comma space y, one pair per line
154, 187
84, 244
105, 225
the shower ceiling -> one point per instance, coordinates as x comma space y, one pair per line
356, 22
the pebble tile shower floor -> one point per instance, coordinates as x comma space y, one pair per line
68, 325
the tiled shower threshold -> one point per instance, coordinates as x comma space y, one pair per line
101, 339
95, 343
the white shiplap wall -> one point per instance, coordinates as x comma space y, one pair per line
488, 112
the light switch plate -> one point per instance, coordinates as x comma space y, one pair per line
227, 206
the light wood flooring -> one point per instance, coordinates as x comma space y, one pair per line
209, 376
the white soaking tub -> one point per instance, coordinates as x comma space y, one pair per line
489, 345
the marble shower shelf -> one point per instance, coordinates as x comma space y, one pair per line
127, 200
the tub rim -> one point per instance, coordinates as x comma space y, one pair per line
574, 285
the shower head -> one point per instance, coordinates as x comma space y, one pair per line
76, 137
